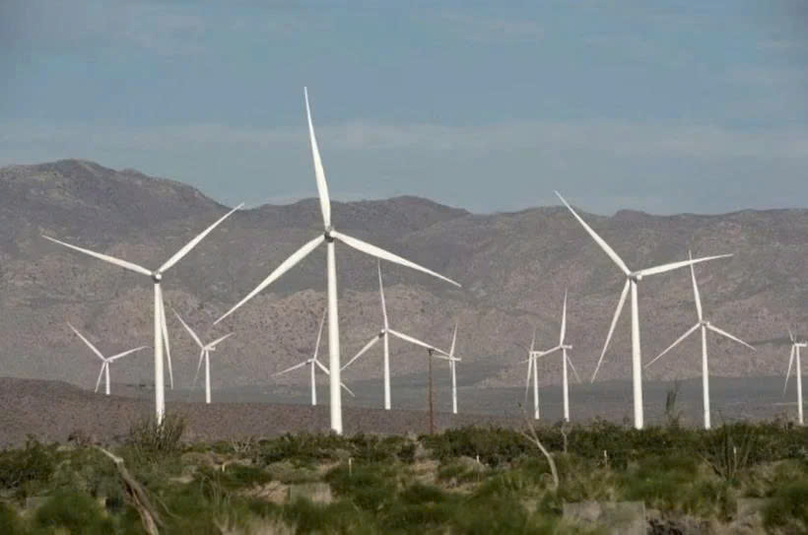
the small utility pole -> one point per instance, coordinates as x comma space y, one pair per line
431, 405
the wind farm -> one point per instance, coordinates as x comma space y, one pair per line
364, 268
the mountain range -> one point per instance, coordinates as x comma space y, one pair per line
514, 268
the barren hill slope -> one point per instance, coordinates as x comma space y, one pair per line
514, 268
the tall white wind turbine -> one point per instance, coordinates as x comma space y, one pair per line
384, 335
160, 326
532, 366
105, 361
565, 360
314, 363
204, 354
632, 280
329, 236
453, 367
795, 351
704, 326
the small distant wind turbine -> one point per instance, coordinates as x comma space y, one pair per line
105, 361
384, 334
565, 360
632, 280
532, 355
204, 354
329, 236
704, 325
795, 351
314, 363
160, 326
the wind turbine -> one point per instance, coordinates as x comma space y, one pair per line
704, 325
160, 326
204, 354
384, 334
632, 280
329, 236
314, 363
795, 351
105, 361
565, 361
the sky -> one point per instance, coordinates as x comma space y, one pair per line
664, 107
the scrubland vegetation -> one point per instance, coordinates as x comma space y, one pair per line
470, 480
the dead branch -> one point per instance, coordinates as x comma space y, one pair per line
136, 495
534, 438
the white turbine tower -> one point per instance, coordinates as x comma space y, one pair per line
204, 354
329, 236
532, 355
453, 367
565, 360
384, 334
105, 361
704, 325
160, 326
632, 280
795, 351
314, 363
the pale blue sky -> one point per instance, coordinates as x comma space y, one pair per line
695, 106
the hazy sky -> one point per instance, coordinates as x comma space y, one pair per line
695, 106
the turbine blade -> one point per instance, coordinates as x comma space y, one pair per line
563, 320
788, 373
362, 351
106, 258
530, 365
790, 334
617, 312
696, 294
417, 342
319, 172
218, 341
291, 368
681, 338
378, 252
190, 331
572, 367
198, 367
319, 334
347, 390
600, 241
540, 354
193, 243
676, 265
381, 292
731, 337
89, 344
285, 266
320, 365
533, 340
125, 353
98, 382
164, 325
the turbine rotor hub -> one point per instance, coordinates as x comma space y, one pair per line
157, 277
636, 277
328, 237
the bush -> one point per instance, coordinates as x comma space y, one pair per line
78, 514
787, 511
34, 463
10, 523
151, 441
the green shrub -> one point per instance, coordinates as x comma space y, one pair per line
78, 514
369, 487
10, 522
151, 442
34, 463
787, 510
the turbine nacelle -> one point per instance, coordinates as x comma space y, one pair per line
328, 234
635, 276
157, 277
